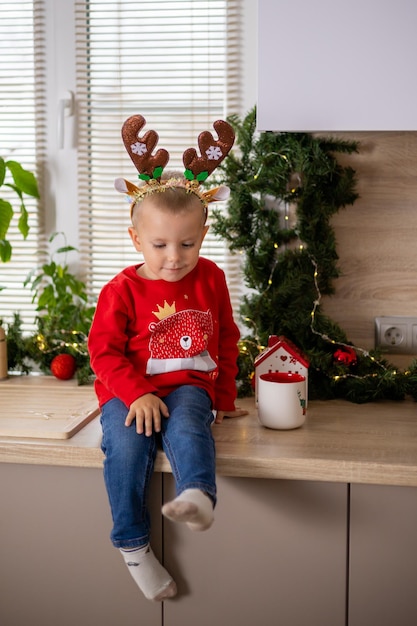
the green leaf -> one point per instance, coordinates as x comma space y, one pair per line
6, 214
23, 224
157, 173
16, 189
5, 250
2, 170
47, 298
35, 281
50, 268
23, 179
189, 175
65, 249
202, 176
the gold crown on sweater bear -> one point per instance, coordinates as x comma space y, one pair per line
150, 166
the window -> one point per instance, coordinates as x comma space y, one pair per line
178, 63
174, 63
22, 138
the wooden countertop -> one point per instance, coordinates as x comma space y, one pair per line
339, 442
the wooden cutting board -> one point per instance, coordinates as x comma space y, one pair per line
44, 407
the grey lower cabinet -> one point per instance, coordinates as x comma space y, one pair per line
57, 566
383, 556
276, 555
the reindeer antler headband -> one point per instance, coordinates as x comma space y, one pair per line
150, 166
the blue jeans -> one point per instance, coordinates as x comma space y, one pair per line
187, 441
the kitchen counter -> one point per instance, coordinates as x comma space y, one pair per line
325, 548
339, 442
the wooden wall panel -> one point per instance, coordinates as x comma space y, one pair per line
376, 237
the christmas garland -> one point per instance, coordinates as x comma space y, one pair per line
284, 189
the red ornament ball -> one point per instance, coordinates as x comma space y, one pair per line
346, 356
63, 366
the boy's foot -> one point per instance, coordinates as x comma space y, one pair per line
147, 572
192, 507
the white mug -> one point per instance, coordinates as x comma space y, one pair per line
282, 400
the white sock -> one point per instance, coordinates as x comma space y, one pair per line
193, 507
147, 572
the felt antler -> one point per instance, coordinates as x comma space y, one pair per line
212, 152
150, 166
140, 148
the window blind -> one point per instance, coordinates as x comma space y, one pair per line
177, 64
22, 138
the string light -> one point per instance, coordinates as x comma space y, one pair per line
250, 349
325, 337
256, 176
79, 346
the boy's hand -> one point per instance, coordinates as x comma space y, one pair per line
147, 411
236, 413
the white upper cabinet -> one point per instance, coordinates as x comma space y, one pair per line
329, 65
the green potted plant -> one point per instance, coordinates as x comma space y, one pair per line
14, 176
63, 319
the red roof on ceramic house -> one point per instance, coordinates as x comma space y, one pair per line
275, 342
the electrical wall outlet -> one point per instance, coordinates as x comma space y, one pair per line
396, 334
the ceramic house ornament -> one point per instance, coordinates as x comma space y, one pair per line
280, 355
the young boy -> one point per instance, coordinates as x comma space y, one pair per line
163, 346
